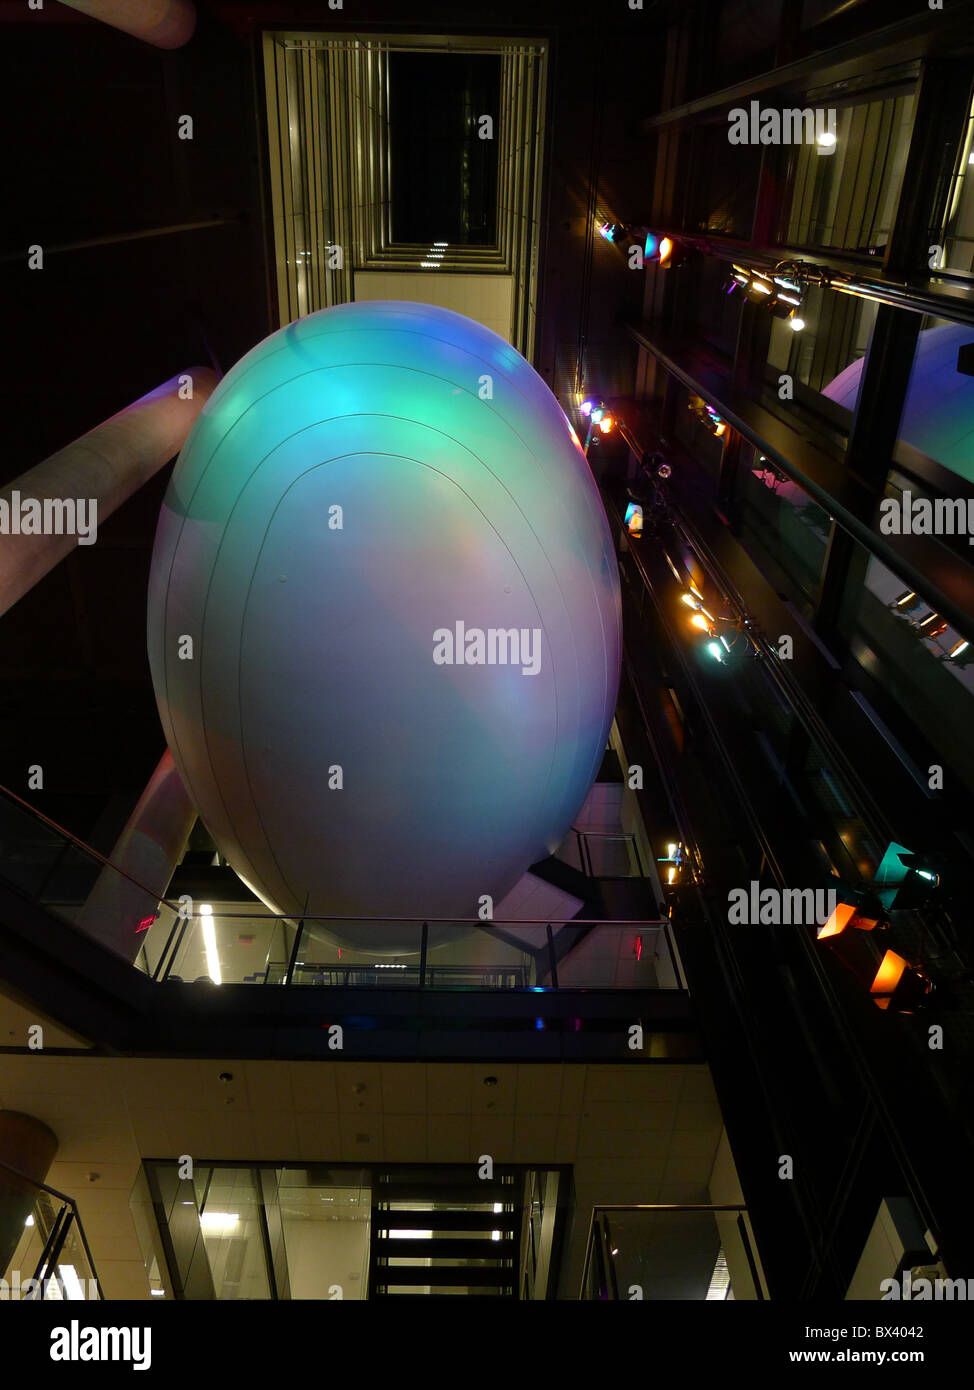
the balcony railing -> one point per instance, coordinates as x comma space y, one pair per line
433, 953
51, 1260
199, 944
670, 1252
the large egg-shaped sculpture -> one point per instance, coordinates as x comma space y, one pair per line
938, 414
384, 617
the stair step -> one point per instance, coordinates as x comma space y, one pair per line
441, 1276
445, 1220
457, 1192
444, 1297
434, 1177
384, 1248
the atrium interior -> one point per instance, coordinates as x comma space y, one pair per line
338, 961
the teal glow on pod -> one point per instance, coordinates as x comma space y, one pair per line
385, 543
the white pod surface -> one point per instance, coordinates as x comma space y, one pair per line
384, 617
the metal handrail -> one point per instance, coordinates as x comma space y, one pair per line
66, 1201
604, 1250
182, 919
80, 844
480, 922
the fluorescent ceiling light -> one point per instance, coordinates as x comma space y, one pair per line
209, 944
72, 1284
219, 1220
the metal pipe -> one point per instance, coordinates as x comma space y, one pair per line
64, 497
952, 302
164, 23
115, 238
27, 1150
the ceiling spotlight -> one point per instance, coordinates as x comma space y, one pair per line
795, 323
666, 249
825, 138
690, 600
958, 649
596, 413
587, 407
699, 621
606, 423
715, 650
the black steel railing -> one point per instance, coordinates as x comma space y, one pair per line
54, 1244
668, 1251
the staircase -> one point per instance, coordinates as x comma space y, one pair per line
442, 1225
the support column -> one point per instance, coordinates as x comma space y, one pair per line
28, 1146
149, 848
104, 467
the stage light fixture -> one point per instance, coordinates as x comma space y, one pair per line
690, 600
612, 231
606, 424
673, 862
634, 519
859, 910
596, 413
715, 650
899, 986
905, 879
587, 407
925, 866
